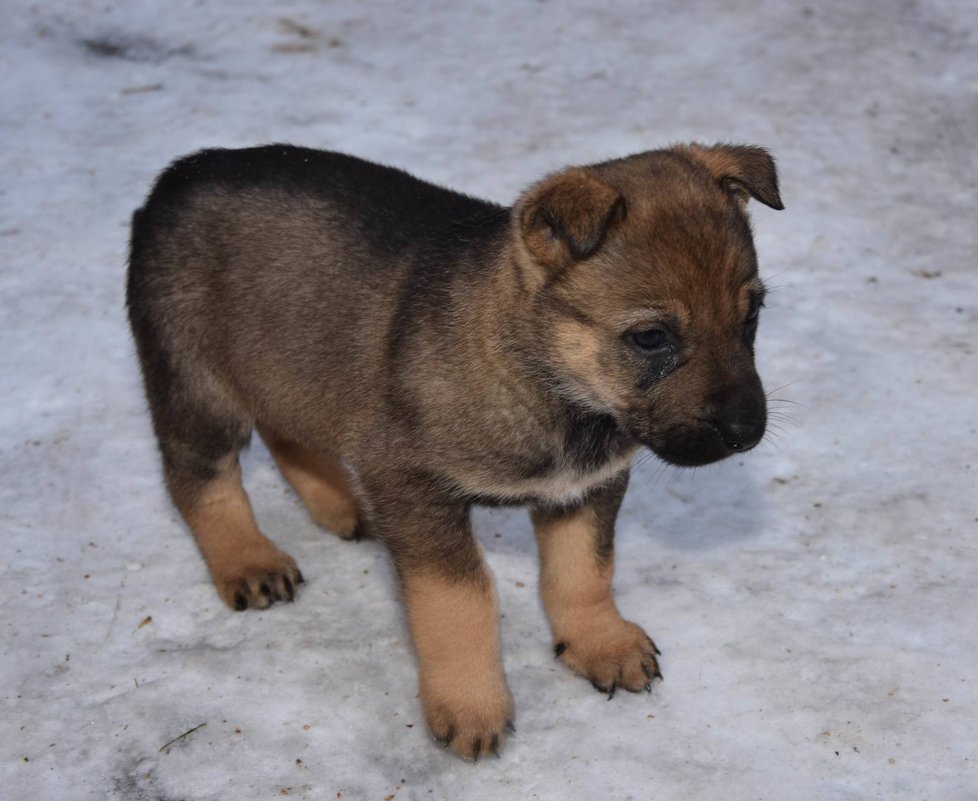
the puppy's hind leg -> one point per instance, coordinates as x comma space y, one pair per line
200, 434
247, 568
324, 485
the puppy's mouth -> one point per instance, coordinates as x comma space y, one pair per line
705, 441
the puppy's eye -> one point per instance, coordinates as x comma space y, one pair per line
651, 340
754, 312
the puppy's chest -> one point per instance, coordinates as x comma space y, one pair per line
567, 483
559, 474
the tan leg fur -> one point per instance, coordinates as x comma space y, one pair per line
589, 633
323, 484
463, 690
247, 568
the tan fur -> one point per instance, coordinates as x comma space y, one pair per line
321, 481
456, 636
245, 565
579, 346
589, 633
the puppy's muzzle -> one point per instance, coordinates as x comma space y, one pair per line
734, 425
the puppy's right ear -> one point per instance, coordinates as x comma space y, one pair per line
566, 217
744, 171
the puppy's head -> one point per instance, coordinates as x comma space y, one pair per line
646, 293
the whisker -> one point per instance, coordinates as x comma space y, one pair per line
772, 444
777, 275
643, 459
784, 386
660, 473
778, 435
659, 469
677, 474
787, 402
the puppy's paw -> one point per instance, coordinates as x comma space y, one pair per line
615, 654
473, 723
257, 579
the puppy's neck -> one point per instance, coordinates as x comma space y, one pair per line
506, 344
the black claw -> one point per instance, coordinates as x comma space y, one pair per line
357, 533
494, 746
559, 648
510, 727
647, 671
476, 749
611, 692
648, 687
298, 577
655, 650
289, 589
265, 590
449, 736
658, 673
240, 602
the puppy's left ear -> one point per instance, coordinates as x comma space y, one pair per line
740, 169
566, 217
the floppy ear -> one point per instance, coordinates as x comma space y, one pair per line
740, 169
566, 217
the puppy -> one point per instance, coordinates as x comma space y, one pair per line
406, 351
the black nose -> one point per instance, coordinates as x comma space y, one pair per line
740, 435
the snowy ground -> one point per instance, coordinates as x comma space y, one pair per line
816, 602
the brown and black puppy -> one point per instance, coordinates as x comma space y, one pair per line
407, 352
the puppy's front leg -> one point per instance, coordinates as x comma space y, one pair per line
453, 614
576, 566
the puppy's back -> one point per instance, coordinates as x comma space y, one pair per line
387, 208
285, 267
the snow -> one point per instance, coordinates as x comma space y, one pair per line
815, 601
